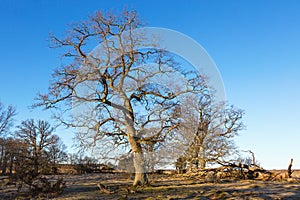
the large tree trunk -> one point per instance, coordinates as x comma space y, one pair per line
136, 148
140, 177
202, 158
138, 161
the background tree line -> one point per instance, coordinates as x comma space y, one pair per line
32, 147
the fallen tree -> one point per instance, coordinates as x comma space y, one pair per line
242, 171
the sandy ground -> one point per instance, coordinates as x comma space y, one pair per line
167, 187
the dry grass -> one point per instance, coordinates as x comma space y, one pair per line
167, 187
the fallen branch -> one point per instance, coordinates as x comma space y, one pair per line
104, 189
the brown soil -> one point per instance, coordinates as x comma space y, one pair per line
166, 187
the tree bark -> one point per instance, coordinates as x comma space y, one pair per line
202, 158
140, 177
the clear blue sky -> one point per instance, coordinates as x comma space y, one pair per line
255, 44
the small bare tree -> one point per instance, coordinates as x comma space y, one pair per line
6, 118
6, 121
56, 153
37, 136
10, 152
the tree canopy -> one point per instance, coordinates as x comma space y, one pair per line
124, 94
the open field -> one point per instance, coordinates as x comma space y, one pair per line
166, 187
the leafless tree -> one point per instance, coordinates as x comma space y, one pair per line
211, 125
6, 118
118, 85
12, 150
37, 136
56, 153
6, 121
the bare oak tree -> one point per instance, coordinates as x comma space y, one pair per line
6, 121
212, 125
12, 150
6, 118
56, 153
37, 137
119, 83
